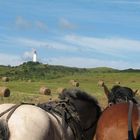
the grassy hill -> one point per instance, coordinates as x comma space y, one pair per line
39, 71
59, 76
31, 70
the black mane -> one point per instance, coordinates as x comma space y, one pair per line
121, 94
76, 94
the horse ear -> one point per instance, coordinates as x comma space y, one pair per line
135, 91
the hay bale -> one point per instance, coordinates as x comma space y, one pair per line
117, 83
74, 83
60, 90
4, 92
5, 79
45, 91
133, 81
29, 81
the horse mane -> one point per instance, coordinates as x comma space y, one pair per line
74, 94
120, 92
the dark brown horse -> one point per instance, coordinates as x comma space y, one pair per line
114, 123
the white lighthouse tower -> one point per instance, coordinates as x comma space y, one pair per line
34, 56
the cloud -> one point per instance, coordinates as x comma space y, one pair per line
8, 59
111, 46
41, 25
28, 55
25, 24
89, 62
22, 22
90, 51
33, 43
124, 2
65, 24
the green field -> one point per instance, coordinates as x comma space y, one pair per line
23, 91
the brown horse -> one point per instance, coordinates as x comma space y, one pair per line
114, 123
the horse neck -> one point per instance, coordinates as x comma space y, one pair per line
88, 115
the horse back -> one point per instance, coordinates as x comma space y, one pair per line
28, 122
113, 123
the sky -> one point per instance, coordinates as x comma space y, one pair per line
75, 33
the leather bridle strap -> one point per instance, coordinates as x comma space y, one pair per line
138, 132
130, 129
4, 112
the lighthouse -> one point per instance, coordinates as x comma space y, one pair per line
34, 56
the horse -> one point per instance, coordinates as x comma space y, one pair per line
119, 122
121, 94
118, 94
73, 116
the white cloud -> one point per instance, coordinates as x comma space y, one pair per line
30, 42
33, 43
22, 23
8, 59
28, 55
113, 46
124, 2
65, 24
112, 52
41, 25
90, 62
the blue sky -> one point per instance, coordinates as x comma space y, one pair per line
76, 33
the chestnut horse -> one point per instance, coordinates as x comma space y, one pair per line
115, 123
73, 117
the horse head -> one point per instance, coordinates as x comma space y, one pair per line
121, 94
87, 109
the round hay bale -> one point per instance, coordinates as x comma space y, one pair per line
133, 81
60, 90
4, 92
72, 81
29, 81
5, 79
45, 91
117, 82
76, 84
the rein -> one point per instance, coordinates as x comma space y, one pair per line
130, 129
